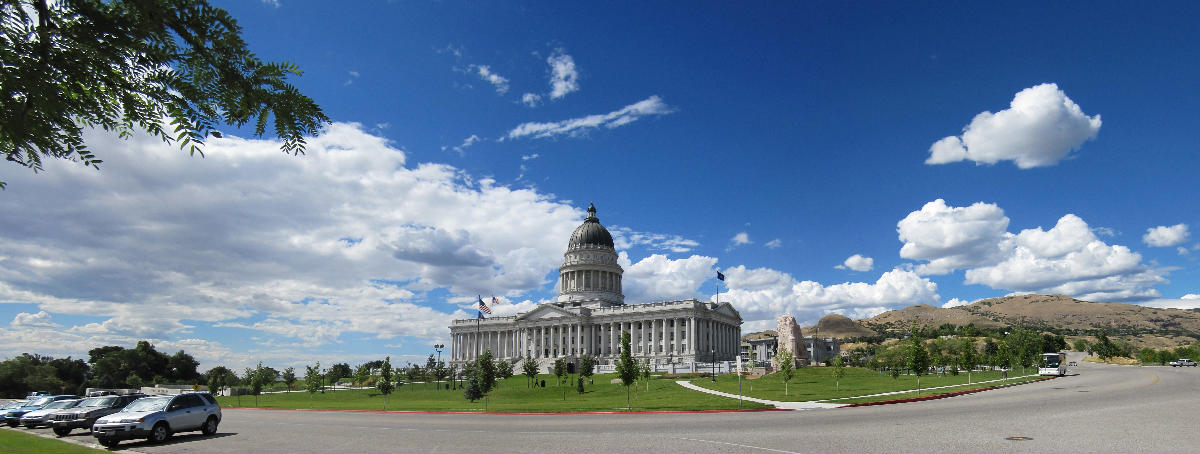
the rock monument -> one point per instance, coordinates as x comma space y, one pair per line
790, 338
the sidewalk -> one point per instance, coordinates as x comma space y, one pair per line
823, 404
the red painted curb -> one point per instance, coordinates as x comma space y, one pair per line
648, 412
941, 396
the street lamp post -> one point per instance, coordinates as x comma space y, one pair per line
438, 348
713, 355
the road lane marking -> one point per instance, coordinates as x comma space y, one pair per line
735, 444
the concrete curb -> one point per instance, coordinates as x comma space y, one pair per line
942, 396
528, 413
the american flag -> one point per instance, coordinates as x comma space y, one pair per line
483, 307
495, 301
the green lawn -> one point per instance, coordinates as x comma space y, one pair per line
16, 442
817, 383
511, 395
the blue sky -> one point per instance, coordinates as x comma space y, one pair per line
827, 157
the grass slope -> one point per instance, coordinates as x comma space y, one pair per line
15, 442
818, 384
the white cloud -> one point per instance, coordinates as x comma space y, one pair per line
38, 320
564, 78
857, 262
774, 244
1068, 259
740, 239
578, 126
955, 302
1189, 301
462, 148
485, 72
951, 238
529, 157
274, 3
765, 293
531, 100
1163, 236
625, 238
160, 245
658, 278
1040, 128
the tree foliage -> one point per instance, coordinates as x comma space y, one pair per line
560, 370
289, 377
529, 368
312, 379
504, 369
485, 368
787, 366
31, 372
626, 368
587, 365
384, 385
114, 367
219, 378
839, 371
175, 69
918, 357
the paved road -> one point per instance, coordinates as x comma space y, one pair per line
1102, 409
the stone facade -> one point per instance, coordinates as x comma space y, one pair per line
590, 313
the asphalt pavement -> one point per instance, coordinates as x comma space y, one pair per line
1099, 408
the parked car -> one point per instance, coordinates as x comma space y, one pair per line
41, 417
1183, 362
12, 417
88, 411
156, 418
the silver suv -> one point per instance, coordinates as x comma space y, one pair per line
84, 414
157, 417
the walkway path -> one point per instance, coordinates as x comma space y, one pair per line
815, 405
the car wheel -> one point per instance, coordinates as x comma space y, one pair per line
12, 423
61, 431
160, 433
210, 426
108, 442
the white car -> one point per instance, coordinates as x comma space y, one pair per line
42, 417
1183, 362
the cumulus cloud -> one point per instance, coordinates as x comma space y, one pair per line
952, 238
348, 238
857, 262
1040, 128
1163, 236
564, 78
659, 278
763, 293
955, 302
1188, 301
740, 239
1068, 258
578, 126
38, 320
485, 72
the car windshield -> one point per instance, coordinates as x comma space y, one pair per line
148, 404
60, 404
97, 401
40, 402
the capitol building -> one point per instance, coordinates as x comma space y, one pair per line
590, 313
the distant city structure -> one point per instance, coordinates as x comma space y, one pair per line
590, 313
763, 345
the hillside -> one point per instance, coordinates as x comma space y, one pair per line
837, 325
1144, 326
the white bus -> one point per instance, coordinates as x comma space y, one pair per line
1053, 364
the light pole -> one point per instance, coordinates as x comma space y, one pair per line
713, 354
438, 348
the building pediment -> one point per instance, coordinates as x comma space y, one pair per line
727, 309
547, 311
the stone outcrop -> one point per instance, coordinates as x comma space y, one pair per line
790, 338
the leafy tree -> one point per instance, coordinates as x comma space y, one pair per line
485, 367
1081, 345
560, 370
529, 368
219, 378
579, 385
181, 368
430, 365
787, 366
414, 372
257, 377
362, 374
337, 372
990, 349
504, 369
441, 372
472, 390
644, 372
626, 368
385, 385
839, 371
32, 372
587, 366
172, 68
289, 377
967, 357
312, 381
918, 357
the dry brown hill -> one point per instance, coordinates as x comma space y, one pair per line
1142, 325
837, 325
